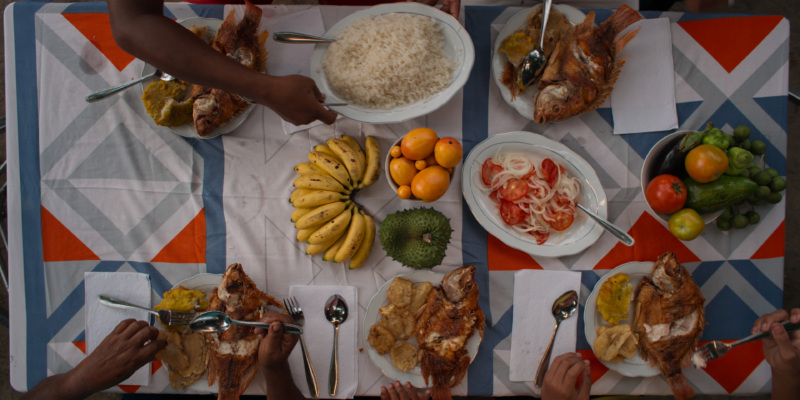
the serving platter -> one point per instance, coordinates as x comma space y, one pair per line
592, 319
581, 234
523, 102
187, 130
457, 46
384, 362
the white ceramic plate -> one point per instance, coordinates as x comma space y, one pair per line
634, 367
523, 102
583, 232
457, 46
384, 362
187, 130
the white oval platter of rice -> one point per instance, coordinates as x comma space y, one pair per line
393, 62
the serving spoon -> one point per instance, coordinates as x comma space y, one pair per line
616, 231
533, 64
563, 308
336, 313
294, 37
108, 92
217, 321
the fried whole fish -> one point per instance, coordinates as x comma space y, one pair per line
232, 357
212, 108
669, 319
583, 68
445, 323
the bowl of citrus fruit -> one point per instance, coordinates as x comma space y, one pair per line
420, 165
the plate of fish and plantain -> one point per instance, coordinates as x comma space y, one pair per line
373, 315
592, 319
580, 235
502, 67
205, 28
458, 48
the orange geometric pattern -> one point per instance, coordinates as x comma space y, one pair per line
501, 257
189, 246
775, 246
730, 40
652, 240
746, 357
59, 244
597, 368
97, 29
81, 346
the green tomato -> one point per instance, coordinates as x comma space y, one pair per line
740, 221
778, 184
763, 192
774, 198
741, 133
758, 147
762, 178
724, 224
772, 172
686, 224
753, 217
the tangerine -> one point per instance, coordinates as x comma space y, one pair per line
402, 170
448, 152
430, 184
404, 192
418, 143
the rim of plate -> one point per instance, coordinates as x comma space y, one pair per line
187, 130
455, 35
382, 362
523, 102
635, 367
575, 165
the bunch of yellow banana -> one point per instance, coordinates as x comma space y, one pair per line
326, 216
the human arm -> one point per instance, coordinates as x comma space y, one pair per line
562, 377
141, 29
129, 346
782, 352
273, 356
398, 391
451, 7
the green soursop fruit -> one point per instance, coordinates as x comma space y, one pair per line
416, 238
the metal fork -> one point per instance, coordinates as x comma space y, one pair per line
167, 317
294, 309
716, 349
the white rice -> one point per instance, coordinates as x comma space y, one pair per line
388, 61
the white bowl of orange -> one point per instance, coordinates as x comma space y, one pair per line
420, 165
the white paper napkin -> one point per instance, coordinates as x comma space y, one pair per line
643, 99
318, 333
534, 293
132, 287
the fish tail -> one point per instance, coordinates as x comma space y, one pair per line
252, 13
680, 387
440, 393
623, 40
622, 18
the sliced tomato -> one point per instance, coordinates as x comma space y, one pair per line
560, 220
541, 237
514, 189
562, 200
530, 174
550, 171
489, 170
494, 197
511, 213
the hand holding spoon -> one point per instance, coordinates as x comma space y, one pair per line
336, 313
563, 308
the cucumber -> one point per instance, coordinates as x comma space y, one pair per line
716, 195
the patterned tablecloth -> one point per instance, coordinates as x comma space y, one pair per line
99, 187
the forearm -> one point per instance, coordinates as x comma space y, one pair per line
280, 384
62, 387
785, 388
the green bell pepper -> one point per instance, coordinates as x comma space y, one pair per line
718, 138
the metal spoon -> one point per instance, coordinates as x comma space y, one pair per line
108, 92
533, 64
336, 313
563, 307
217, 321
294, 37
616, 231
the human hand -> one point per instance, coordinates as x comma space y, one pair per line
129, 346
782, 349
398, 391
296, 99
451, 7
562, 377
275, 346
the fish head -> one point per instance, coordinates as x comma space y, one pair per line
459, 283
668, 274
551, 103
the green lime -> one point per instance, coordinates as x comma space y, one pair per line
753, 217
772, 172
763, 192
740, 221
758, 147
741, 133
754, 171
745, 144
723, 224
727, 214
775, 198
778, 184
762, 178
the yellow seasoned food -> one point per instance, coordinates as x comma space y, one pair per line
168, 102
615, 298
183, 299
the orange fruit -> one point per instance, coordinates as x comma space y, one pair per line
448, 152
430, 184
418, 143
402, 170
395, 151
431, 160
420, 164
404, 192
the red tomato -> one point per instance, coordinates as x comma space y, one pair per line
561, 200
541, 237
511, 213
550, 171
706, 163
686, 224
514, 189
560, 220
489, 170
493, 196
666, 194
